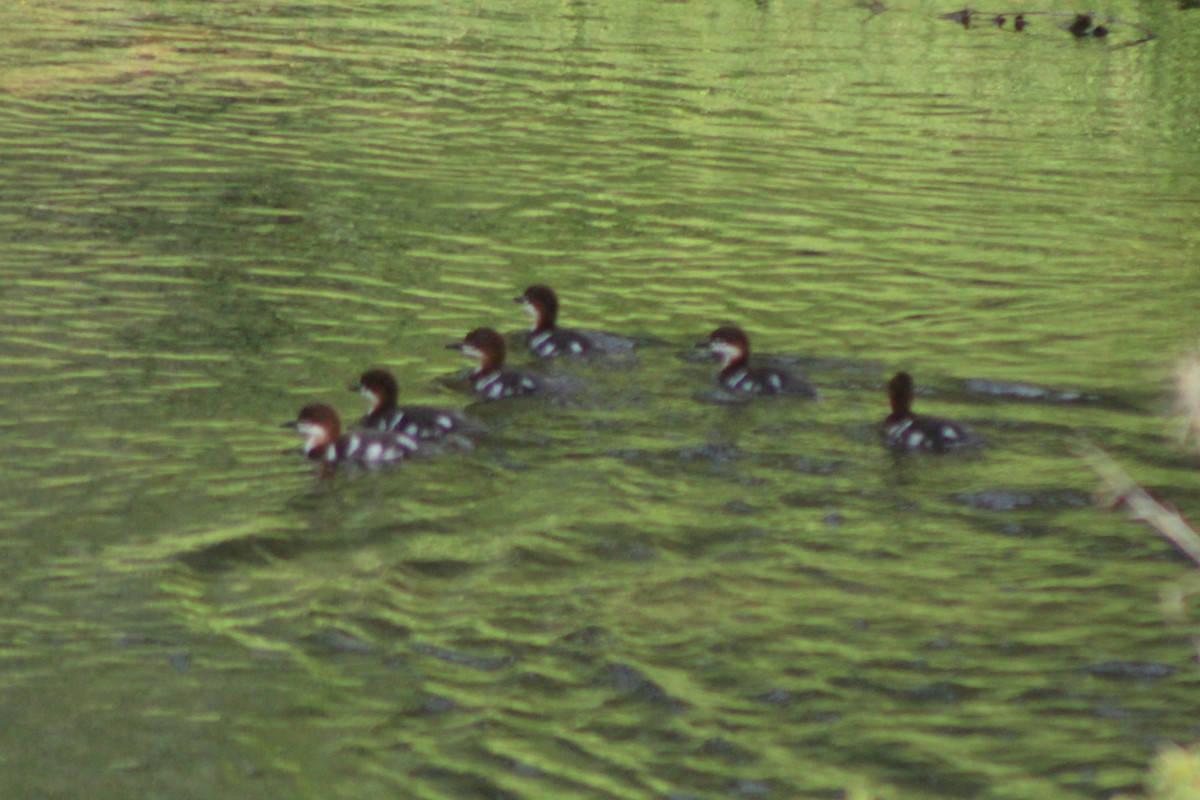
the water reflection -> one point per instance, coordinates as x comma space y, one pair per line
215, 214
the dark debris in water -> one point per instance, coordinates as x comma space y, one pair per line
484, 663
947, 692
715, 453
1134, 670
1084, 25
524, 769
1080, 25
1011, 500
437, 704
336, 641
748, 787
776, 697
1020, 390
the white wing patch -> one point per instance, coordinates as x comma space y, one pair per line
485, 385
540, 343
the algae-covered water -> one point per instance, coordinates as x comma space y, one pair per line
213, 213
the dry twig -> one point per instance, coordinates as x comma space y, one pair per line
1122, 491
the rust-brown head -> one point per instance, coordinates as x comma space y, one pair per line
379, 388
900, 395
484, 345
730, 343
541, 303
318, 424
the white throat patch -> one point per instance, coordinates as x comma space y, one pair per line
727, 351
314, 435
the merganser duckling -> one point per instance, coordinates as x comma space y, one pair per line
547, 340
379, 388
732, 345
904, 430
490, 380
324, 441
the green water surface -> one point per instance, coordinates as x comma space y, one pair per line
213, 213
